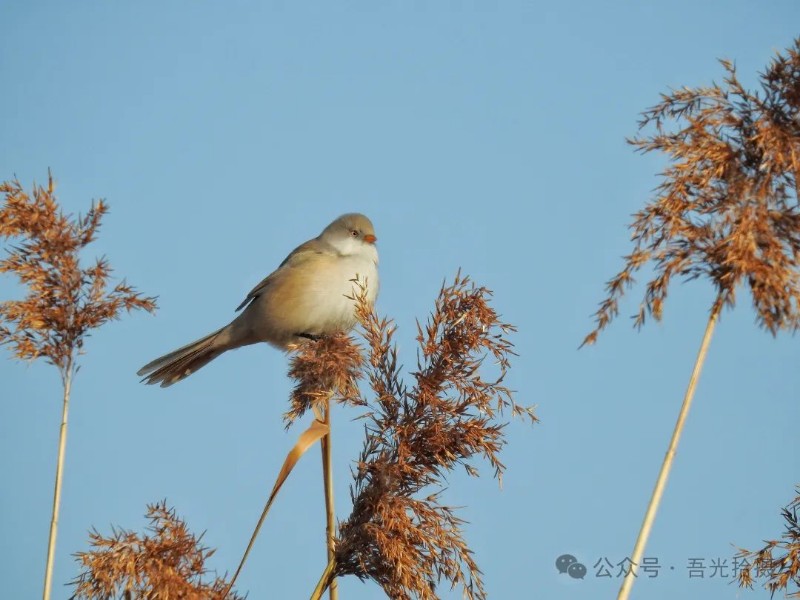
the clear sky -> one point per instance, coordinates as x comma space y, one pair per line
476, 134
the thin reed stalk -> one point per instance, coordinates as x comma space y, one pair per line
669, 457
62, 447
330, 514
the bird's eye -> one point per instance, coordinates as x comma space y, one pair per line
354, 233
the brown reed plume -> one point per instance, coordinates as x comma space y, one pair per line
167, 562
64, 301
782, 570
327, 370
399, 534
726, 211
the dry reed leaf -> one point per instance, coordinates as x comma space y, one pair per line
315, 432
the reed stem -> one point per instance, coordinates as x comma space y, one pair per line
669, 457
62, 447
330, 515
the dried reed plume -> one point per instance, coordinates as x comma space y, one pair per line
167, 563
399, 534
726, 210
328, 369
782, 570
64, 301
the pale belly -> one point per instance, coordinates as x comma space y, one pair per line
315, 302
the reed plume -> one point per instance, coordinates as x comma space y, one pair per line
64, 301
778, 560
399, 533
726, 211
166, 562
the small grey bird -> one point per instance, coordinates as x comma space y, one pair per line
305, 297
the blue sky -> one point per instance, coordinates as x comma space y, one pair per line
482, 135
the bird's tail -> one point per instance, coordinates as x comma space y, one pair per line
184, 361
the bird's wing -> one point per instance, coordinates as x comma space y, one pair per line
297, 257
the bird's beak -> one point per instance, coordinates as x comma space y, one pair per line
370, 238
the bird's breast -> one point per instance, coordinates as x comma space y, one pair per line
316, 297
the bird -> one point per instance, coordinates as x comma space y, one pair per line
310, 295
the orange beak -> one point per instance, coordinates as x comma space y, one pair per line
370, 238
